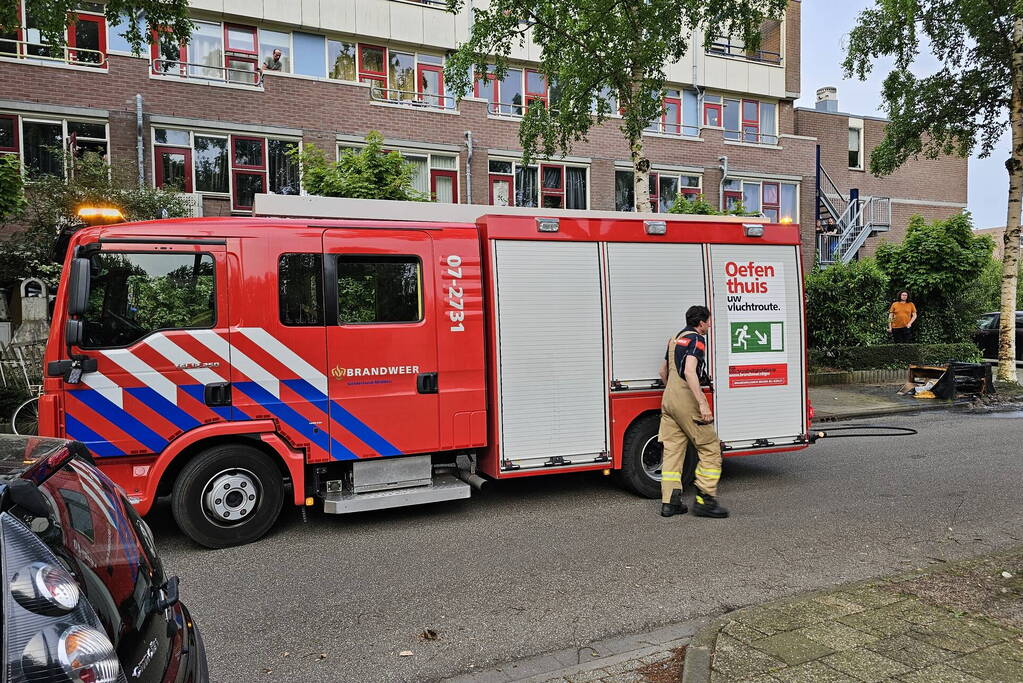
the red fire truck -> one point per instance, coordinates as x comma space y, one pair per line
381, 354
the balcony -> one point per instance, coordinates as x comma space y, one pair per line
412, 100
204, 73
751, 137
52, 54
728, 47
672, 129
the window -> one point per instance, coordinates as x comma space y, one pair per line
341, 60
751, 197
44, 142
284, 171
789, 208
300, 288
372, 66
510, 93
174, 168
241, 39
379, 289
269, 42
732, 190
402, 74
210, 160
8, 133
536, 87
247, 184
435, 175
168, 55
712, 111
89, 37
664, 186
553, 186
116, 40
771, 201
855, 158
85, 37
309, 56
206, 51
486, 89
135, 294
608, 96
768, 123
731, 120
750, 121
777, 201
248, 152
431, 81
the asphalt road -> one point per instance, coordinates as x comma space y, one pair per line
536, 565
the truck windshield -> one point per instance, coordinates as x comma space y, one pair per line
134, 294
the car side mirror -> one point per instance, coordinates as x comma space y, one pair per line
74, 332
78, 286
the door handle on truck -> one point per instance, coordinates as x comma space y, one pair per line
218, 394
426, 383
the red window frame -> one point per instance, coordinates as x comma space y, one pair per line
235, 205
237, 76
154, 53
443, 173
719, 113
495, 88
13, 118
362, 71
433, 68
665, 122
503, 177
255, 40
530, 95
101, 24
158, 151
769, 207
558, 192
234, 156
749, 125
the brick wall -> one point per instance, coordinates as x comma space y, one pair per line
793, 42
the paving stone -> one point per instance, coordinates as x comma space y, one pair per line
813, 611
844, 605
791, 648
738, 660
865, 665
1002, 662
716, 677
770, 621
871, 596
876, 624
742, 631
762, 678
813, 672
914, 611
955, 635
587, 676
836, 635
939, 673
908, 650
626, 677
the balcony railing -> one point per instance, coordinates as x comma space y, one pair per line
75, 56
662, 128
751, 137
722, 45
827, 248
415, 100
204, 72
440, 4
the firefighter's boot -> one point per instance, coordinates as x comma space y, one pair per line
675, 507
707, 506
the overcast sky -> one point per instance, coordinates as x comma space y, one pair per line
824, 24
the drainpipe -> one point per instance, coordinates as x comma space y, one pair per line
468, 167
721, 186
140, 148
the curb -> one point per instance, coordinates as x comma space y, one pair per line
893, 410
698, 663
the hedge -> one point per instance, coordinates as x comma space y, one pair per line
891, 355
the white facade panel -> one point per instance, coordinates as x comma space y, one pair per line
650, 287
338, 15
757, 344
372, 19
551, 360
249, 10
282, 11
311, 13
207, 5
407, 23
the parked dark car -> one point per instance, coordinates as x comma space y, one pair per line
987, 334
86, 595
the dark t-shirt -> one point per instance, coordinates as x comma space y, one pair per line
695, 345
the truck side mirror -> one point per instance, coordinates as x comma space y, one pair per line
73, 333
78, 286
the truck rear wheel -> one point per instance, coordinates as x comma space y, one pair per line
641, 459
227, 495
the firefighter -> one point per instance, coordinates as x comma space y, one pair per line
685, 417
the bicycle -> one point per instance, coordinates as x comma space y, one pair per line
24, 369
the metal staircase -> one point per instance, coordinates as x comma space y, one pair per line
844, 222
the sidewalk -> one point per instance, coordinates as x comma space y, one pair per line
844, 401
958, 623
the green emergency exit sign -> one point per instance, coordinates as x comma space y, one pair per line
757, 337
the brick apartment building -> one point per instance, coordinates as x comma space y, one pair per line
206, 118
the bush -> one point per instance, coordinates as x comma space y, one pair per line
890, 356
847, 305
367, 173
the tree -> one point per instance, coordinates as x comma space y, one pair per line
12, 187
961, 108
599, 56
367, 173
942, 265
52, 213
847, 305
54, 17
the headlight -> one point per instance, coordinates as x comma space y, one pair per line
87, 656
46, 589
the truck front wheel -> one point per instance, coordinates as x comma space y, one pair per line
641, 459
227, 495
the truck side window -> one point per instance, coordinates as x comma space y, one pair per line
300, 289
132, 295
379, 289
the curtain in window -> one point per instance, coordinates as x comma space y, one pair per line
751, 197
575, 188
420, 174
690, 112
210, 160
284, 173
625, 199
525, 186
206, 48
667, 193
443, 162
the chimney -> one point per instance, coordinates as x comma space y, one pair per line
827, 98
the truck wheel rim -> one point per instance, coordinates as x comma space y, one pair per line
652, 455
231, 497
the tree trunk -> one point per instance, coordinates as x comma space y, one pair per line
1010, 260
640, 175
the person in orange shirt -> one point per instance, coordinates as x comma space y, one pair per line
901, 316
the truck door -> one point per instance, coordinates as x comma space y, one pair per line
381, 342
150, 306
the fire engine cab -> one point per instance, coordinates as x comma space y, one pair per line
379, 354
